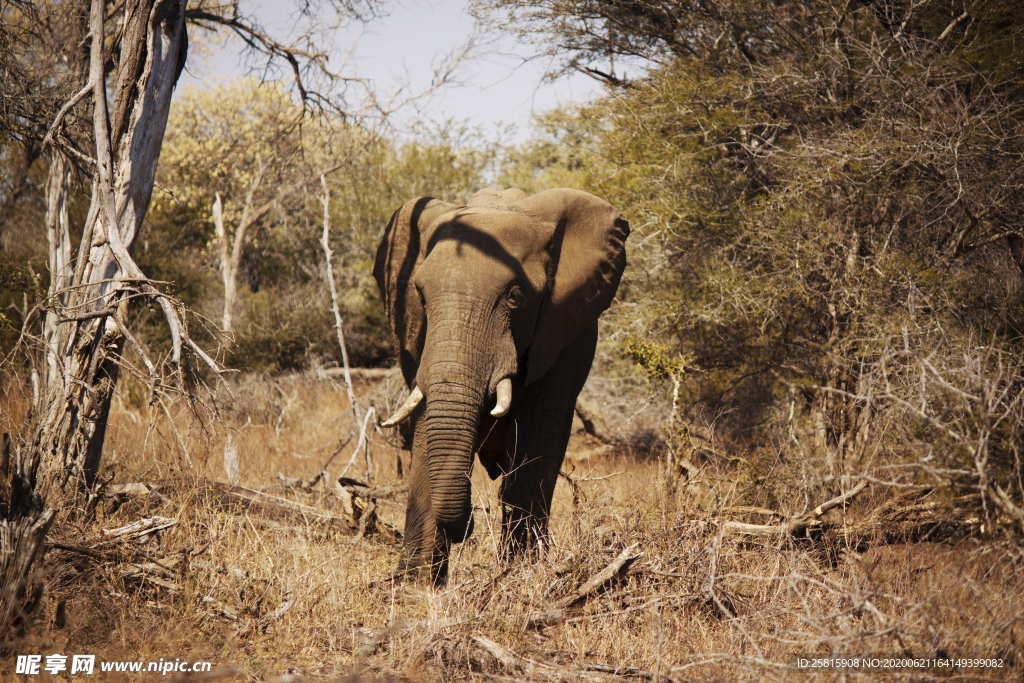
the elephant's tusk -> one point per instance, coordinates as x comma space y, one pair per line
504, 391
415, 396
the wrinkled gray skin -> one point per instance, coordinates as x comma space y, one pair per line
507, 286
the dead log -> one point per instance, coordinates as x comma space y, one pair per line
273, 507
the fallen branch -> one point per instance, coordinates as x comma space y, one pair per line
222, 610
795, 525
626, 672
273, 509
360, 373
163, 573
368, 492
614, 568
890, 522
264, 622
563, 608
370, 639
507, 658
139, 570
140, 528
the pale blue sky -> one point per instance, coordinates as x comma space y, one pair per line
498, 87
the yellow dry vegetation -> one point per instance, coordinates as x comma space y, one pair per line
265, 598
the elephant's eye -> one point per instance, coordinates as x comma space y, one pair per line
515, 296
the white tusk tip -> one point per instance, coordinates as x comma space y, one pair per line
504, 398
407, 408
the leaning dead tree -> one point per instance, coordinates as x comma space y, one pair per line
131, 64
85, 330
134, 58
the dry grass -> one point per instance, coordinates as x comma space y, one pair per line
304, 600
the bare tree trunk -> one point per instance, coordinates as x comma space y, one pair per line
339, 328
228, 266
232, 246
84, 330
363, 442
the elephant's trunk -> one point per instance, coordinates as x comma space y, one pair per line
454, 377
450, 422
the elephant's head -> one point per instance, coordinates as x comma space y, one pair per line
483, 298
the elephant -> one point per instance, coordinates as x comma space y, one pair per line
494, 305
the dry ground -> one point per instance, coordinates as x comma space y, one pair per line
267, 599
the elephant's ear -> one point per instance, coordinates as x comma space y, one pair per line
588, 248
398, 256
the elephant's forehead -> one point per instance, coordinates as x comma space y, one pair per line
499, 235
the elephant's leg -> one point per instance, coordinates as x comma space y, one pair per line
425, 549
541, 434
